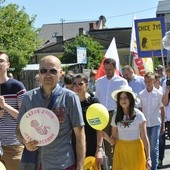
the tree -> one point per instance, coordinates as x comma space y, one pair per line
94, 54
18, 36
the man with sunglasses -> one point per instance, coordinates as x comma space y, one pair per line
11, 94
58, 154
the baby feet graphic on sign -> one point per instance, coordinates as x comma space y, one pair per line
42, 130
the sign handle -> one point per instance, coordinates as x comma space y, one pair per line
153, 61
163, 61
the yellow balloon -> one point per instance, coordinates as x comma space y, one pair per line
2, 167
97, 116
90, 163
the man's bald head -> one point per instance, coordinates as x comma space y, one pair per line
50, 59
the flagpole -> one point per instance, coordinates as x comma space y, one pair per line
130, 54
130, 58
163, 61
162, 56
153, 61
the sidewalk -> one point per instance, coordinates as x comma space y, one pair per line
166, 161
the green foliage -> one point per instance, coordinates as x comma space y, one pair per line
156, 62
94, 55
18, 36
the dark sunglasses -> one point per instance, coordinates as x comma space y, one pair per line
52, 71
78, 84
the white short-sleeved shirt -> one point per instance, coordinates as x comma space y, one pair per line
167, 108
151, 102
133, 131
104, 89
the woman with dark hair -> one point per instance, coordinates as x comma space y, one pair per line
80, 86
128, 133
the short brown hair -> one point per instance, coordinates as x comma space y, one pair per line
168, 69
81, 76
110, 61
149, 75
93, 73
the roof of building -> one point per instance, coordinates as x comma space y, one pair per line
48, 32
163, 7
103, 36
36, 66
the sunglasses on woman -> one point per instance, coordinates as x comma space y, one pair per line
52, 71
78, 84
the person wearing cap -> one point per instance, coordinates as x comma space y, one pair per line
128, 133
160, 70
59, 154
11, 94
104, 87
152, 107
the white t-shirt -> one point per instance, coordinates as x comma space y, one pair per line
151, 102
133, 131
104, 89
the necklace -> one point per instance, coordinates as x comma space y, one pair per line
126, 121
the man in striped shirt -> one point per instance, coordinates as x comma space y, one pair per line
11, 92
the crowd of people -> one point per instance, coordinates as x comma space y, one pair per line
138, 107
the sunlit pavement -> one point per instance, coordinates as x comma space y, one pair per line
166, 161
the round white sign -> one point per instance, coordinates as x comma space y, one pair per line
39, 124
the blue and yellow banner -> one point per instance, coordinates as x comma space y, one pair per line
149, 34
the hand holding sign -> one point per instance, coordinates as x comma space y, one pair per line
39, 124
97, 116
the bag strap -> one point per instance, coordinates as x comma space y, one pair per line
54, 96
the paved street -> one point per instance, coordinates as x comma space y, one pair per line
166, 161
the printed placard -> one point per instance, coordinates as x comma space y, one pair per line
39, 124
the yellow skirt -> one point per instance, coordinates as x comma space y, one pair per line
129, 155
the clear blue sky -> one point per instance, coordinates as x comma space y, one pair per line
118, 13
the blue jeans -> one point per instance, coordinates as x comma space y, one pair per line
153, 135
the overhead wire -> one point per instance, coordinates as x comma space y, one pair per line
120, 15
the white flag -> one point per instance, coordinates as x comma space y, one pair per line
110, 53
141, 65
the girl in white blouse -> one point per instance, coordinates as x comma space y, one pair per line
132, 150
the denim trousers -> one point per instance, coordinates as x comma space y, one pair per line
153, 135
